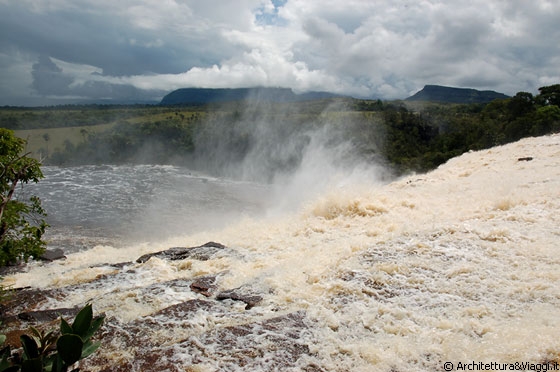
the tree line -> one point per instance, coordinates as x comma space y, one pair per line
17, 118
423, 139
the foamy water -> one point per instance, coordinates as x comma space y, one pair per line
458, 265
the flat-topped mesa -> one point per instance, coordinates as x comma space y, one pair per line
202, 96
438, 93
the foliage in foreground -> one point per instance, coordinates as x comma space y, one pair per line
50, 352
22, 223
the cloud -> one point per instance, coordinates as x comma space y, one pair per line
48, 78
83, 82
383, 49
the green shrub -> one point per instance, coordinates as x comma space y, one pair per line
22, 223
50, 352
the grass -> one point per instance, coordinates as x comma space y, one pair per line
39, 147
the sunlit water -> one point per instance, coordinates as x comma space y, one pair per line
458, 265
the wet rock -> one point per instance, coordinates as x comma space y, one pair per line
203, 253
181, 310
42, 316
157, 359
207, 331
48, 256
242, 294
205, 285
177, 337
118, 265
179, 288
270, 345
23, 300
144, 333
52, 255
44, 320
12, 269
141, 330
273, 344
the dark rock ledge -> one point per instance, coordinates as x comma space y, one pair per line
244, 294
53, 255
49, 255
205, 285
272, 344
203, 253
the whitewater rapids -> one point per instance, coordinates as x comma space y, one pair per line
461, 264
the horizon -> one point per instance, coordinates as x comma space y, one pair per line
78, 102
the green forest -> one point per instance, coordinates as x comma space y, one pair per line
408, 136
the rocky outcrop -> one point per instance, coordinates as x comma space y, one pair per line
269, 344
53, 255
208, 328
48, 256
203, 252
243, 294
280, 338
23, 305
205, 285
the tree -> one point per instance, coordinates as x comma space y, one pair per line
21, 221
47, 138
84, 134
550, 95
522, 103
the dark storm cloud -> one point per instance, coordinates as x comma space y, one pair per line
100, 39
50, 80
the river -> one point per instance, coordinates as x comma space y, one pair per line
430, 272
126, 204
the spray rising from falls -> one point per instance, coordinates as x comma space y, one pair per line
300, 153
459, 265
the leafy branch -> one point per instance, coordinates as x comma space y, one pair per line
49, 352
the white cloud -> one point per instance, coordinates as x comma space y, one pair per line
254, 68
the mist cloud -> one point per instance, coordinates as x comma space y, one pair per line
299, 153
382, 49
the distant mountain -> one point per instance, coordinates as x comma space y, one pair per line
438, 93
196, 96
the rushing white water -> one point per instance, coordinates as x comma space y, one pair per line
458, 265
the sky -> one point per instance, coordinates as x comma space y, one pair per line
56, 51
